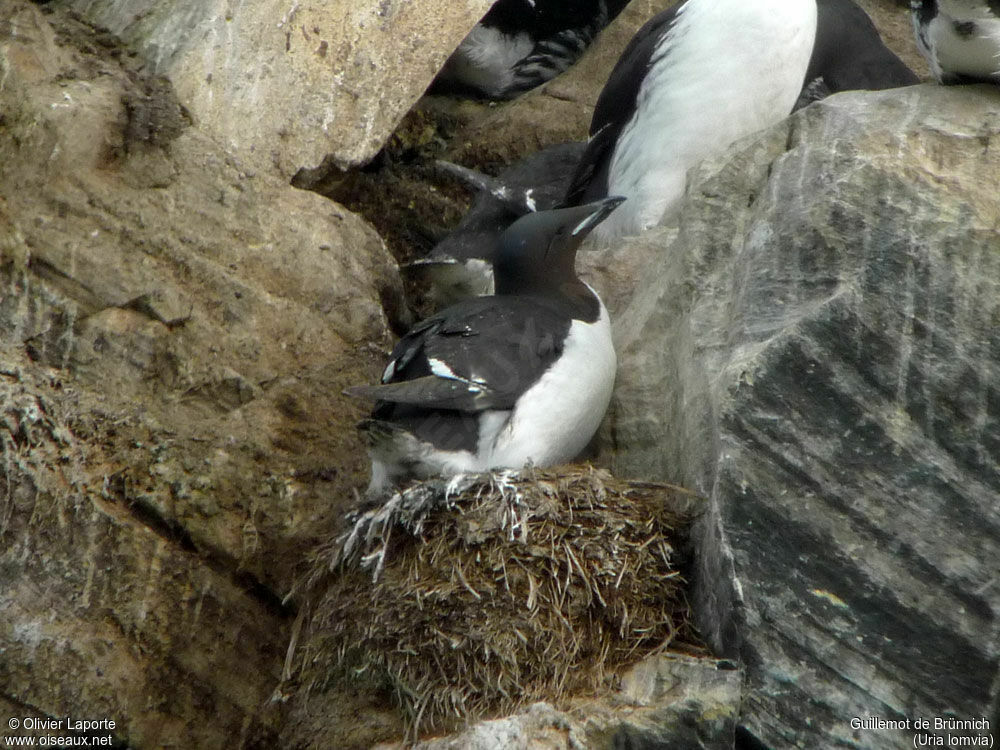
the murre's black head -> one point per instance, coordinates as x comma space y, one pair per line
537, 253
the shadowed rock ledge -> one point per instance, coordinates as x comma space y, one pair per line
284, 84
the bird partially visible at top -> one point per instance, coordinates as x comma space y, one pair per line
959, 38
498, 381
693, 80
521, 44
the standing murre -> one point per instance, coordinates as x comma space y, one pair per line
849, 55
521, 44
496, 382
959, 38
693, 80
461, 265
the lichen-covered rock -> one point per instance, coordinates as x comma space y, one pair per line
108, 617
816, 348
284, 84
188, 326
225, 304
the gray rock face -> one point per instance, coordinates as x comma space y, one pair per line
284, 84
817, 348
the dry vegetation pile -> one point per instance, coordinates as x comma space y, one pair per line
479, 595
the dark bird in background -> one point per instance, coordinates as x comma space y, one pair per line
693, 80
521, 44
461, 265
498, 381
959, 38
849, 55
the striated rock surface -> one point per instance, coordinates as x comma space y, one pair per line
816, 348
175, 330
282, 85
107, 616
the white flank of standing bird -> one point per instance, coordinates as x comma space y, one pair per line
521, 44
694, 79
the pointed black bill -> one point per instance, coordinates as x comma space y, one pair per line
600, 211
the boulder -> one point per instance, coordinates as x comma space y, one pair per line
815, 348
175, 332
283, 85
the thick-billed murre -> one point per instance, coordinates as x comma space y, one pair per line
695, 78
495, 382
959, 38
461, 265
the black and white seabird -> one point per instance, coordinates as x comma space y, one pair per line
520, 44
498, 381
959, 38
461, 265
849, 55
693, 80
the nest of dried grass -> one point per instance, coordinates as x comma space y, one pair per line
479, 595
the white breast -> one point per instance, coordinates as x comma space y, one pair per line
727, 69
551, 423
978, 55
555, 419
